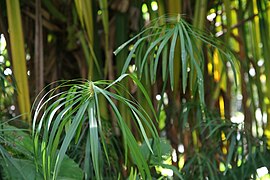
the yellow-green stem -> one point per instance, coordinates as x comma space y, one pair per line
18, 57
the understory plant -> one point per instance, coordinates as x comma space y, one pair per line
70, 114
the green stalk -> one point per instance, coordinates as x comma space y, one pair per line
161, 8
141, 98
108, 54
200, 12
86, 16
199, 21
18, 57
255, 37
121, 37
244, 69
227, 4
265, 34
227, 101
174, 7
84, 10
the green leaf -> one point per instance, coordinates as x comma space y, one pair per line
163, 46
69, 170
69, 135
120, 48
151, 47
197, 66
129, 139
133, 51
171, 56
19, 169
184, 59
94, 141
143, 131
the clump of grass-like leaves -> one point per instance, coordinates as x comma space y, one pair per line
158, 42
62, 113
226, 150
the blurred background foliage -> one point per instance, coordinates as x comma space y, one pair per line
44, 41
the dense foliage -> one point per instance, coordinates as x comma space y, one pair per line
134, 89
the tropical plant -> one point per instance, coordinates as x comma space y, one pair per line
77, 109
189, 92
77, 113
